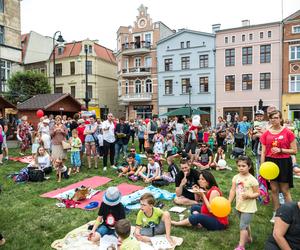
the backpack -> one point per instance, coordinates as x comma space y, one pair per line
35, 175
264, 197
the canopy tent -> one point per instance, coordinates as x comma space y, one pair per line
187, 111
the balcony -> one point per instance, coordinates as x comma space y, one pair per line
135, 48
138, 71
134, 97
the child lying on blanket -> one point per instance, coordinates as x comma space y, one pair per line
111, 211
129, 167
123, 228
152, 221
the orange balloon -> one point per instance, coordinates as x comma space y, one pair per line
220, 206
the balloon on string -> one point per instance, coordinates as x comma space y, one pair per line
147, 120
269, 170
220, 207
222, 163
40, 113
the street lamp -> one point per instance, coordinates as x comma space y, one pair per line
60, 41
86, 99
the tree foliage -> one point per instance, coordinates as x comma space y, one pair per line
24, 85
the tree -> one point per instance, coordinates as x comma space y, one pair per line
24, 85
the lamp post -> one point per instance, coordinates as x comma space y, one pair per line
60, 42
190, 98
86, 99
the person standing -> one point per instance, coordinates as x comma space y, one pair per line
122, 134
141, 134
109, 139
244, 127
23, 134
220, 131
90, 133
132, 129
152, 130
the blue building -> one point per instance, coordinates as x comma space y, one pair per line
186, 72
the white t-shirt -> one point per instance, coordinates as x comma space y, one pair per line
179, 129
108, 135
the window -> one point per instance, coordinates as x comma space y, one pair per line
73, 91
226, 39
185, 62
295, 52
250, 37
5, 67
89, 66
188, 44
126, 87
247, 55
59, 90
203, 84
265, 80
148, 62
72, 68
294, 83
125, 62
233, 39
60, 50
203, 61
90, 49
243, 38
230, 83
138, 87
185, 85
296, 29
261, 34
1, 6
269, 33
247, 82
168, 87
148, 39
137, 62
229, 57
43, 71
90, 91
148, 86
168, 64
182, 45
1, 34
119, 88
265, 53
58, 69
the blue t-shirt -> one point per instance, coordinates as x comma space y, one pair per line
243, 127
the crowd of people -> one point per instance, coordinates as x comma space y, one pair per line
162, 144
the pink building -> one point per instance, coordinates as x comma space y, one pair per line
248, 68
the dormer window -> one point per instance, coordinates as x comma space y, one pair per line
90, 49
60, 50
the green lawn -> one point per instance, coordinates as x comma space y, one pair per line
30, 222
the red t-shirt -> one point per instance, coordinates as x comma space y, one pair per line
80, 131
205, 137
280, 140
204, 209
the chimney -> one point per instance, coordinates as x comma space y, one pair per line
216, 27
246, 23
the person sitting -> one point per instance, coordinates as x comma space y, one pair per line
185, 180
204, 158
129, 167
111, 210
61, 169
286, 228
153, 171
41, 161
219, 162
152, 221
201, 215
123, 228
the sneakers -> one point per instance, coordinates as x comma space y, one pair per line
104, 169
114, 167
273, 218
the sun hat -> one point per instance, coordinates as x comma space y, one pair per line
112, 196
46, 121
259, 112
80, 121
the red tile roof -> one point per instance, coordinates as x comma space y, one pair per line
105, 53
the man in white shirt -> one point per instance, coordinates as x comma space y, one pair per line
108, 128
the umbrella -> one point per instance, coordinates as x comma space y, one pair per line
185, 111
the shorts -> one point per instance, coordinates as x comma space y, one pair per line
285, 170
245, 219
104, 230
75, 159
156, 230
191, 146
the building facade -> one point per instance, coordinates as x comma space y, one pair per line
291, 67
70, 74
10, 39
137, 65
248, 68
186, 72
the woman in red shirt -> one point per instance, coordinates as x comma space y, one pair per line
278, 144
201, 215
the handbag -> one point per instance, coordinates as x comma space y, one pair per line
35, 175
66, 145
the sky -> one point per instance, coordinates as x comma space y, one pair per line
100, 19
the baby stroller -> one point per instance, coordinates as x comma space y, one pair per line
239, 146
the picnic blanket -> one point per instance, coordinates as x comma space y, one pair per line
77, 239
24, 159
131, 201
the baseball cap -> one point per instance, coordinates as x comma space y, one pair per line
259, 112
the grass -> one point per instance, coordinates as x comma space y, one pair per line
30, 222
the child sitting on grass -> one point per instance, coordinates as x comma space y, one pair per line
61, 170
153, 171
123, 228
246, 189
152, 221
75, 151
129, 167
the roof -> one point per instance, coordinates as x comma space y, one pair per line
295, 15
43, 101
185, 31
6, 104
75, 48
249, 27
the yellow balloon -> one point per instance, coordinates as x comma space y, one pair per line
269, 170
220, 206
